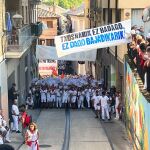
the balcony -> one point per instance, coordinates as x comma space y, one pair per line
17, 44
35, 2
36, 29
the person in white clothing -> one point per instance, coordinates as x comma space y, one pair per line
15, 116
4, 128
65, 97
29, 101
81, 98
49, 98
59, 98
53, 97
117, 102
31, 137
1, 138
87, 93
73, 98
43, 96
96, 102
104, 100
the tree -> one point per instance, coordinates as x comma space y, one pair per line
64, 3
51, 2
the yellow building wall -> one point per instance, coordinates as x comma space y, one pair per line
133, 3
126, 3
105, 3
87, 6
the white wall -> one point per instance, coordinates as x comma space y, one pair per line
12, 65
4, 88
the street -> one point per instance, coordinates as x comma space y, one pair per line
74, 130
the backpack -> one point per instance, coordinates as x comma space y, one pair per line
28, 120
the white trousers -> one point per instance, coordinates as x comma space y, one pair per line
8, 135
88, 101
58, 101
117, 112
73, 99
145, 81
65, 99
15, 122
53, 98
105, 110
80, 102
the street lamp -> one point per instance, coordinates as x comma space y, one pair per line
17, 19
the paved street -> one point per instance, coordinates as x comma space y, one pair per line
85, 132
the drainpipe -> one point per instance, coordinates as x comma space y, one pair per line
108, 10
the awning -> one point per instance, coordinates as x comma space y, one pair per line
49, 52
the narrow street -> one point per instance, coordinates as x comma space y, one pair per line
74, 130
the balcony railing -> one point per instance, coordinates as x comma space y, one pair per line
36, 2
19, 41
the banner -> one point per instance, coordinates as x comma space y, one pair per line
47, 68
100, 37
49, 52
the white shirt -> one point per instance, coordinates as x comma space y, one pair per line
15, 109
1, 140
29, 101
96, 99
1, 120
65, 94
104, 101
116, 101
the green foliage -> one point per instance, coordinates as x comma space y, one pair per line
64, 3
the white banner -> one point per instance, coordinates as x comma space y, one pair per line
46, 68
100, 37
49, 52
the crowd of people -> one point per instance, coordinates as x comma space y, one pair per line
76, 92
71, 91
139, 53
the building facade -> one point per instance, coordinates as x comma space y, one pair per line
103, 12
17, 50
111, 65
78, 24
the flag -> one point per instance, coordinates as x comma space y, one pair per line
9, 23
54, 72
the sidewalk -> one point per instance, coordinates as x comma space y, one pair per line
117, 135
16, 138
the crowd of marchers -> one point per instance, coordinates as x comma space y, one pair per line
75, 92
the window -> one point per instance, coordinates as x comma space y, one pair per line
26, 60
41, 42
109, 16
50, 24
81, 25
50, 42
23, 14
118, 15
104, 14
26, 15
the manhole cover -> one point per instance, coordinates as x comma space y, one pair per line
45, 146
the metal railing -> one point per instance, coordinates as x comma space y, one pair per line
20, 41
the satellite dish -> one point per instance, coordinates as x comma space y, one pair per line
146, 14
